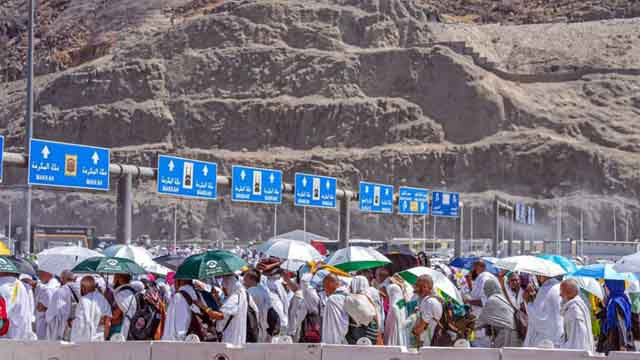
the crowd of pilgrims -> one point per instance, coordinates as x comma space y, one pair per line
266, 303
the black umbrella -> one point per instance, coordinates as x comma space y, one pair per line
393, 249
401, 256
170, 261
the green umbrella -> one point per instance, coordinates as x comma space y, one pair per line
108, 265
209, 264
357, 258
8, 266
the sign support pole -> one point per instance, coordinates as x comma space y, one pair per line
457, 246
434, 234
345, 219
424, 233
275, 221
175, 227
304, 222
125, 209
411, 227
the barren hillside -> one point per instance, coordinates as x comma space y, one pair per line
378, 90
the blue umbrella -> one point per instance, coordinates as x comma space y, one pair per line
467, 263
568, 265
603, 271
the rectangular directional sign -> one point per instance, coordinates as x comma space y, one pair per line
1, 157
413, 201
445, 204
519, 212
531, 215
315, 191
256, 185
376, 198
187, 178
59, 164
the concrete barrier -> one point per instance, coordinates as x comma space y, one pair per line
624, 355
35, 350
216, 351
133, 350
435, 353
355, 352
543, 354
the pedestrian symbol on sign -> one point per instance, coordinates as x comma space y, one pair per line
187, 176
257, 183
71, 165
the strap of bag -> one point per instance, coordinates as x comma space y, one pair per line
73, 293
379, 339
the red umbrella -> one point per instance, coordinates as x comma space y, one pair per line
320, 247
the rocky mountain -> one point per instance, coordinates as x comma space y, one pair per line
402, 92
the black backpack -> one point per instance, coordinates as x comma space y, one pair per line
273, 322
252, 322
201, 325
147, 318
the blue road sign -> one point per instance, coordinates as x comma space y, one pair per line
531, 215
187, 178
1, 157
445, 204
376, 198
519, 212
65, 165
256, 185
413, 201
315, 191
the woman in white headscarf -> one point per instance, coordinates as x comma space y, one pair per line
396, 330
362, 322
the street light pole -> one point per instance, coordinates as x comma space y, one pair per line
27, 245
11, 245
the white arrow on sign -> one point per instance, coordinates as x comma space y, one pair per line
95, 158
304, 181
404, 204
205, 170
242, 175
366, 189
272, 178
386, 191
45, 152
171, 165
328, 185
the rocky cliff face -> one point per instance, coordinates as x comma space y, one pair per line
373, 90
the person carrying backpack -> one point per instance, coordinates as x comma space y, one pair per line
125, 305
148, 321
364, 318
428, 329
268, 317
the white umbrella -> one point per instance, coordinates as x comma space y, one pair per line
139, 255
590, 285
57, 259
287, 249
629, 263
440, 281
356, 258
531, 265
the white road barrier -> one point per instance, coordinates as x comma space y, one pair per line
354, 352
217, 351
42, 350
543, 354
433, 353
